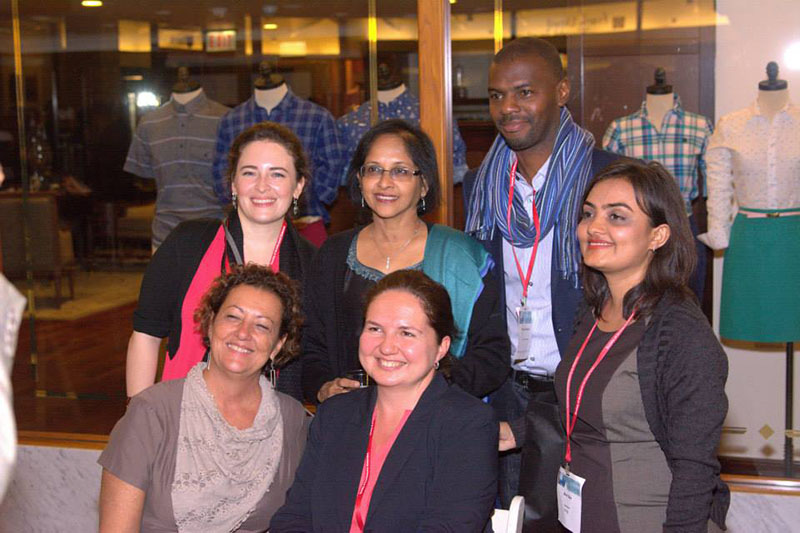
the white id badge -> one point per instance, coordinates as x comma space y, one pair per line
569, 490
525, 323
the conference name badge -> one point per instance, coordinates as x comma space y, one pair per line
568, 491
525, 323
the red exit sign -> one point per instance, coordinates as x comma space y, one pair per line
221, 41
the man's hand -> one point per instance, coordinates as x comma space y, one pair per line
507, 440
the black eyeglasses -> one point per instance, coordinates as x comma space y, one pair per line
396, 173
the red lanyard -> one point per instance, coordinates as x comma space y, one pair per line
275, 260
362, 487
600, 357
524, 278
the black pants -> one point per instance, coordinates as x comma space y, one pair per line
542, 453
532, 471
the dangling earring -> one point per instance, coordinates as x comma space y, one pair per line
423, 204
295, 209
272, 374
362, 202
233, 200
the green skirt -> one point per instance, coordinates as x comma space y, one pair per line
761, 280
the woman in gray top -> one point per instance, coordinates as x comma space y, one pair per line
641, 387
217, 450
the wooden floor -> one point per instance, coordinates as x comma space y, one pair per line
81, 373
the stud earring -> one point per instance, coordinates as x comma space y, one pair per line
295, 209
436, 365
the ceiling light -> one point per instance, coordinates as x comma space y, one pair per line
270, 26
92, 3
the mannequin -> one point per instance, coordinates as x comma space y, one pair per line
174, 145
390, 86
773, 94
274, 101
185, 89
270, 87
395, 101
662, 130
659, 99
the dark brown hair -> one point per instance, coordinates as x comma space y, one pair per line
270, 132
264, 279
432, 296
417, 144
657, 194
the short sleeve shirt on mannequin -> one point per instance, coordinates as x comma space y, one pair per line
313, 125
406, 106
752, 163
174, 144
679, 144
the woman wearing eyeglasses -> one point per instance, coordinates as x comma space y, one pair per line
394, 174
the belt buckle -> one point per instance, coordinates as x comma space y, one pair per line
773, 215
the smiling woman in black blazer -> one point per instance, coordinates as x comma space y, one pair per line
412, 453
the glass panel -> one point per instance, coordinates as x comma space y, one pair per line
93, 76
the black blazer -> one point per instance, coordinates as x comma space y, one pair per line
441, 473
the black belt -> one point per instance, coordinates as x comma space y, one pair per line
533, 383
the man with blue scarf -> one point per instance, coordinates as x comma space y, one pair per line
523, 205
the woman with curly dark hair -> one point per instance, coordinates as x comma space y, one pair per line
216, 450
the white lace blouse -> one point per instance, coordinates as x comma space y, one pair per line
753, 163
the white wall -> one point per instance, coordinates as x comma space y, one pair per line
759, 32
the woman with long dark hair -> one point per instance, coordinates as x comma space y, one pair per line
641, 388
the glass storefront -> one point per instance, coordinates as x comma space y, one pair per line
77, 221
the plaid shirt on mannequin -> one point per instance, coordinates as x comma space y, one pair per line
679, 145
313, 125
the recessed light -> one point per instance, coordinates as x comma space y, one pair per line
270, 26
92, 3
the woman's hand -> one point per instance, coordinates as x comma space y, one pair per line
336, 386
507, 440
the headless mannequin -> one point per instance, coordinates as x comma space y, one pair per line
185, 90
270, 98
388, 95
185, 98
773, 94
658, 105
269, 87
659, 99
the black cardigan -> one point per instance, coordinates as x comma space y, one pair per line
482, 369
682, 373
172, 268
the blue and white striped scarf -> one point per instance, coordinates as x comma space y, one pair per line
557, 202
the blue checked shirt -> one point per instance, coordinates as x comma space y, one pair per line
680, 145
314, 126
406, 106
